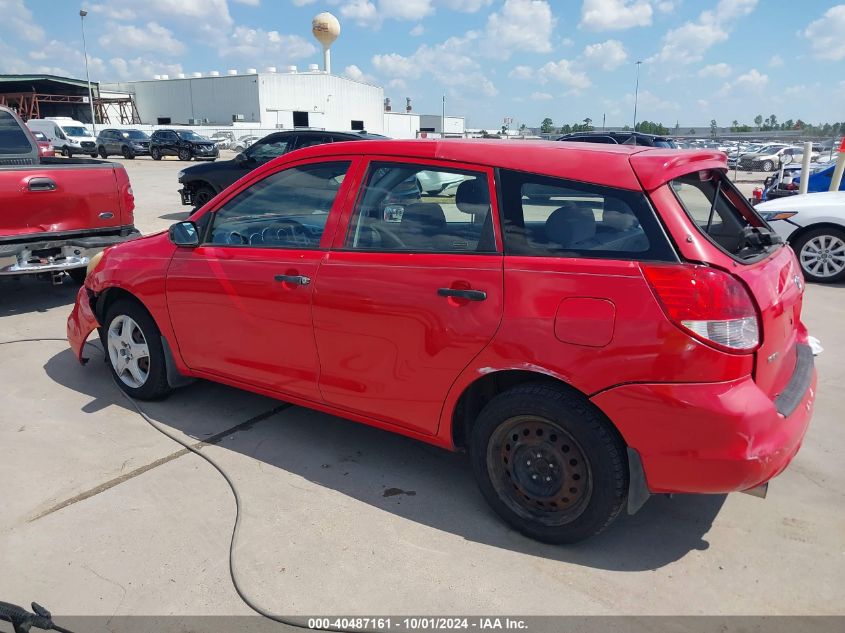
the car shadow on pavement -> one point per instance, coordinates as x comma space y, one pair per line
178, 216
410, 479
27, 294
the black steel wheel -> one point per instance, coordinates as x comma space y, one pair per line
549, 463
127, 152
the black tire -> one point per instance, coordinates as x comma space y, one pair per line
93, 154
128, 152
574, 447
184, 154
811, 257
155, 153
66, 152
155, 386
202, 195
768, 165
78, 275
102, 151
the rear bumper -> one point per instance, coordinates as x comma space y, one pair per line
56, 254
81, 323
708, 438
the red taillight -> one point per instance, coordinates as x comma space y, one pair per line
711, 305
791, 187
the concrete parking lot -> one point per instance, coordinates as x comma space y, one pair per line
102, 515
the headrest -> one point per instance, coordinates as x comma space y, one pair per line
570, 225
473, 197
426, 214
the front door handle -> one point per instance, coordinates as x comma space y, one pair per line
300, 280
41, 184
469, 295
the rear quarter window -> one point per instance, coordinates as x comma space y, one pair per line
551, 217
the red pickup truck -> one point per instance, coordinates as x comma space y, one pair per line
56, 213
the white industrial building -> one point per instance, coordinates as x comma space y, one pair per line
267, 101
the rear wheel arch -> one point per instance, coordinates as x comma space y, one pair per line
476, 395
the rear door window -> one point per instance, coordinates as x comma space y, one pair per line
551, 217
721, 213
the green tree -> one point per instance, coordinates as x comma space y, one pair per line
692, 131
773, 121
713, 128
758, 121
588, 124
522, 128
547, 126
626, 128
788, 124
734, 125
566, 129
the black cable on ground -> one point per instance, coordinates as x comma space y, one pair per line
295, 622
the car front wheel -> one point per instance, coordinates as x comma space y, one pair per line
127, 152
821, 253
103, 152
768, 166
202, 195
155, 153
549, 463
134, 351
184, 154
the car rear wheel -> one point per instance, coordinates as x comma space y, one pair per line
134, 351
768, 165
128, 153
549, 463
821, 253
155, 153
103, 153
184, 154
202, 195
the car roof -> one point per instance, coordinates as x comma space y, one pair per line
609, 165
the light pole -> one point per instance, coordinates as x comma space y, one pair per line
636, 95
82, 14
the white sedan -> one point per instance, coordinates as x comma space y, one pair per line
814, 225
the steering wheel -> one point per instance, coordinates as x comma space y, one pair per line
296, 229
392, 240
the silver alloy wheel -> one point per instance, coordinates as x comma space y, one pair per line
128, 351
823, 256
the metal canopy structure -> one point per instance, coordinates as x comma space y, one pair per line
38, 96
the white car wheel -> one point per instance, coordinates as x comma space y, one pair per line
128, 351
822, 255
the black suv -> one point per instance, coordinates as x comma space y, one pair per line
201, 183
620, 138
185, 144
127, 143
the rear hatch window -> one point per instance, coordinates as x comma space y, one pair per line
13, 140
723, 215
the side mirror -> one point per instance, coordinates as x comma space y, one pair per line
184, 234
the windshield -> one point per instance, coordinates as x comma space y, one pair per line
135, 135
190, 136
721, 212
75, 130
13, 140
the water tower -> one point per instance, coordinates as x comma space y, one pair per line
326, 28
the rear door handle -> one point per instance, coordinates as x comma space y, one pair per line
41, 184
469, 295
300, 280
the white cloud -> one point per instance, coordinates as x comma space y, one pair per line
418, 30
521, 72
715, 70
521, 25
405, 9
361, 12
607, 55
20, 20
667, 6
688, 43
564, 72
141, 68
649, 102
252, 3
752, 82
353, 72
302, 3
827, 34
152, 37
615, 15
466, 6
258, 44
541, 96
446, 64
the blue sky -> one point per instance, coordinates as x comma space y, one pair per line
525, 59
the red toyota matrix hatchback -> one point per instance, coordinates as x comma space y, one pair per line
592, 323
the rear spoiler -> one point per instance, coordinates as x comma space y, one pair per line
654, 168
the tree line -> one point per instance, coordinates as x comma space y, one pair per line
768, 124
